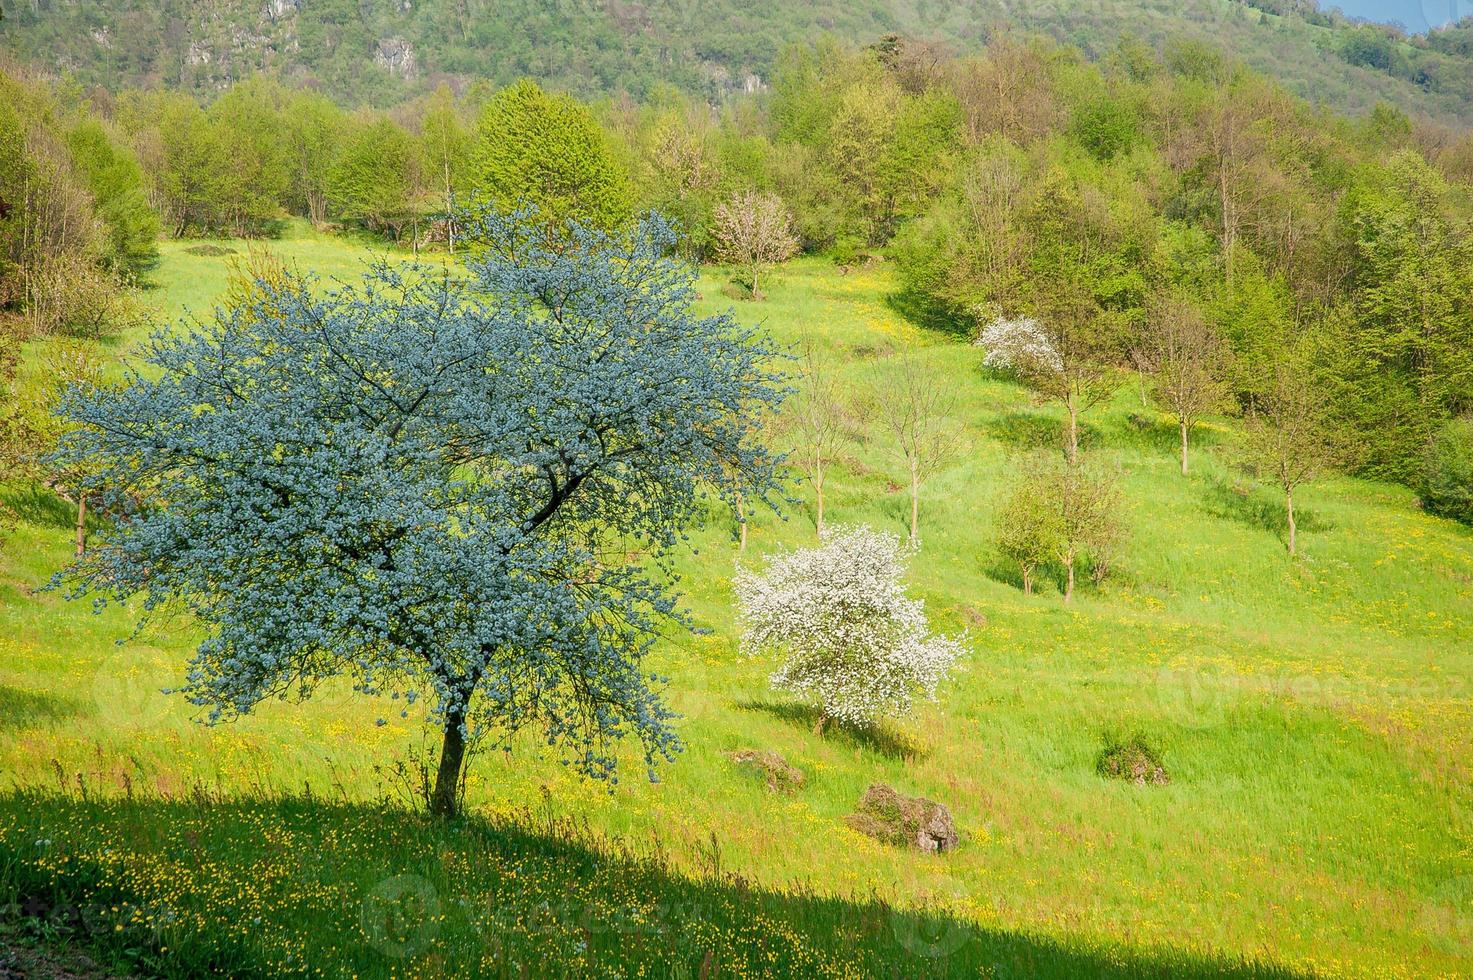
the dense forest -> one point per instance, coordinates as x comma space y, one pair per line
380, 52
1025, 181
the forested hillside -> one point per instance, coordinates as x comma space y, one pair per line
1150, 187
380, 51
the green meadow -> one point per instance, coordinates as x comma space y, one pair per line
1315, 717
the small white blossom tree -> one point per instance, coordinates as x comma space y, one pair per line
849, 636
1018, 344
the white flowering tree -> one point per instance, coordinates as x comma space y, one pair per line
1018, 344
753, 230
848, 635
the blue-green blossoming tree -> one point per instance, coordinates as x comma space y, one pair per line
463, 488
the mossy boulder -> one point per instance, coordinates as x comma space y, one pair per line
1134, 760
773, 768
904, 821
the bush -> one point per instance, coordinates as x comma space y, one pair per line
1447, 478
69, 294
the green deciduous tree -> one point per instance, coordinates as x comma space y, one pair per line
445, 145
314, 128
1061, 515
1447, 476
547, 151
115, 180
373, 178
1412, 345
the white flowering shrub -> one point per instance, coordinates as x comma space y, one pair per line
1020, 345
848, 635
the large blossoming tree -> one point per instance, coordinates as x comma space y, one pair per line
437, 484
847, 634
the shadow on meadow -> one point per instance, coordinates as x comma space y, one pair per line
209, 885
917, 310
30, 709
1032, 430
876, 738
1160, 435
42, 508
1257, 508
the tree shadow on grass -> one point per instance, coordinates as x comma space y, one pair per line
916, 309
1032, 430
1003, 571
1143, 430
876, 738
21, 709
40, 507
1258, 508
374, 890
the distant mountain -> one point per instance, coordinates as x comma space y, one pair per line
379, 51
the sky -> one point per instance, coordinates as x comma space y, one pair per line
1414, 15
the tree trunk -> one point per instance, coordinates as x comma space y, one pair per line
915, 507
445, 800
1027, 579
741, 509
818, 486
1289, 504
1184, 447
1069, 582
822, 723
449, 209
1071, 437
756, 294
81, 522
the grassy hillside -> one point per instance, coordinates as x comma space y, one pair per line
377, 51
1314, 717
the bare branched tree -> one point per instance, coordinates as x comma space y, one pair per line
1189, 361
819, 423
915, 407
1288, 435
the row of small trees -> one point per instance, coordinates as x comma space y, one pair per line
1059, 509
74, 223
911, 404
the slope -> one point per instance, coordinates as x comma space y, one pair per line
1314, 717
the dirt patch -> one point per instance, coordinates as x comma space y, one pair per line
213, 251
27, 963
